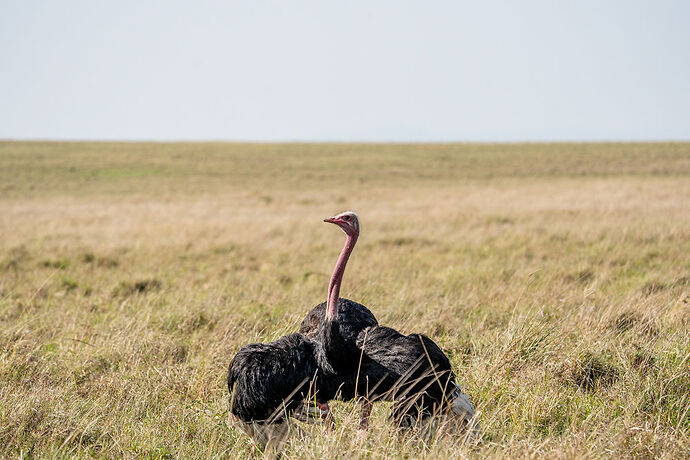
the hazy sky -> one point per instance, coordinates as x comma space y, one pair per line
345, 70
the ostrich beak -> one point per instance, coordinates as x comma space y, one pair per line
331, 220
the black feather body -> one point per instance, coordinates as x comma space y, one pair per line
378, 362
268, 381
339, 338
352, 318
410, 370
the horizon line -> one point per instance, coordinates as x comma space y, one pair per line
358, 141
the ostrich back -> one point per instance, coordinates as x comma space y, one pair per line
269, 380
344, 358
352, 318
408, 369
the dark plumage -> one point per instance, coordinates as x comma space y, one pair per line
340, 349
270, 381
410, 370
267, 381
352, 318
379, 362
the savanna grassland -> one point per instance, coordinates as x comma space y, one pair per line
555, 276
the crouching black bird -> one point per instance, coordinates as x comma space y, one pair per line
412, 371
269, 382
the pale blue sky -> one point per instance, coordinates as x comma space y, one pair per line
345, 70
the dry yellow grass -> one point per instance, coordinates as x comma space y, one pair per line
556, 277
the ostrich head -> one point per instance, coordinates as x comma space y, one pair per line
348, 221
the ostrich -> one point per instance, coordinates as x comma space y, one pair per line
352, 317
269, 382
412, 371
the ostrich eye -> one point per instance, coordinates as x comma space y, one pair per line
346, 217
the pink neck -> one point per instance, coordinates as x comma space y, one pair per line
337, 277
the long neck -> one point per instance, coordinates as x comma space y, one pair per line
337, 277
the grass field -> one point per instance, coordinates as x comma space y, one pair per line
555, 276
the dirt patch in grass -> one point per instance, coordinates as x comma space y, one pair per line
98, 261
137, 287
580, 276
590, 372
630, 320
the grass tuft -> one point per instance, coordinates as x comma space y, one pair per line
591, 372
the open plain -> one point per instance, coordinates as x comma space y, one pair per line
555, 276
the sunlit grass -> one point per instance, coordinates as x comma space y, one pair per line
556, 277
